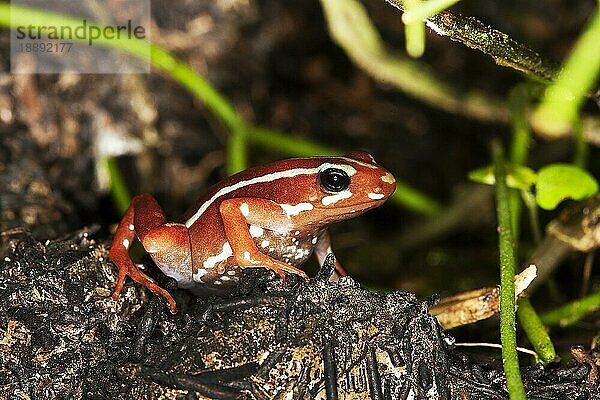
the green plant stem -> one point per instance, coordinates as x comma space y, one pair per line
534, 220
118, 189
572, 312
519, 148
563, 99
581, 146
182, 73
521, 135
508, 263
414, 32
237, 151
536, 331
521, 139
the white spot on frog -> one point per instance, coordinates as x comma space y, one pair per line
131, 227
264, 244
200, 273
334, 198
126, 243
314, 240
245, 209
292, 210
225, 278
388, 178
210, 262
256, 231
376, 196
246, 255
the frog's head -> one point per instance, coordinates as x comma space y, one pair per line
351, 184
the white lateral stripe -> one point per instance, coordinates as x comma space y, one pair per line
290, 173
334, 198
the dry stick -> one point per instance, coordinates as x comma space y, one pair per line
498, 45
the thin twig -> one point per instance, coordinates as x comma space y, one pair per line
498, 45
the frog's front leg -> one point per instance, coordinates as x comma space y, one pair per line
165, 241
237, 213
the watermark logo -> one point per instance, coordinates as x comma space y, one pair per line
94, 36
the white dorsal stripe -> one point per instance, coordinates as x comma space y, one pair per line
290, 173
364, 164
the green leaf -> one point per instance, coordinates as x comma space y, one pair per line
517, 177
557, 182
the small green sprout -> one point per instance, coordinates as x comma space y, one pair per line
558, 182
517, 177
553, 183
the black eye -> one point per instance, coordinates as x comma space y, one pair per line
334, 179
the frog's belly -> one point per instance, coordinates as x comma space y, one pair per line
291, 249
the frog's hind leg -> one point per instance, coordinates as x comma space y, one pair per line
168, 244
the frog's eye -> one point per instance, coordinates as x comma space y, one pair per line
334, 179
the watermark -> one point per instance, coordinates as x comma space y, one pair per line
94, 36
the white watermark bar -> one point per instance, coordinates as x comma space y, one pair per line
55, 36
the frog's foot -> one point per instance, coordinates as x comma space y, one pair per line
259, 259
134, 273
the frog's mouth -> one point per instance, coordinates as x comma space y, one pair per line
356, 208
